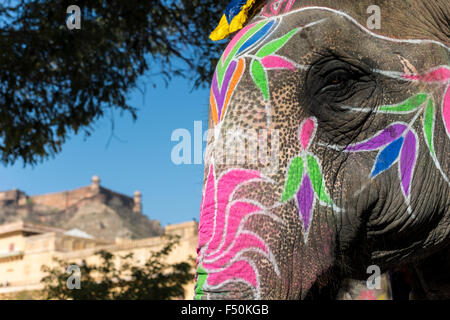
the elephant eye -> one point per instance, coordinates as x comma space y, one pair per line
334, 80
337, 82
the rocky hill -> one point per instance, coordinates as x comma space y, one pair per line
96, 210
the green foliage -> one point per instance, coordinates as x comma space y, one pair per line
55, 81
128, 280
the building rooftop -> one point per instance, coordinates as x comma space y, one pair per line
25, 227
78, 233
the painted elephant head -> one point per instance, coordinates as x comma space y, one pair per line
328, 150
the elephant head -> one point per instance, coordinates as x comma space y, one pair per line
328, 149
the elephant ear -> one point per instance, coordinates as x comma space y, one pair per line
294, 178
317, 180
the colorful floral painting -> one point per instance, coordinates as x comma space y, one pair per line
305, 182
223, 240
396, 144
232, 64
276, 7
399, 142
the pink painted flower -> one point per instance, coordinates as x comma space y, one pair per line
276, 6
367, 295
440, 75
223, 241
307, 132
305, 182
446, 110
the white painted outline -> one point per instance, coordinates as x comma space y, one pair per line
447, 129
250, 48
271, 14
354, 21
220, 117
313, 134
417, 145
238, 257
379, 151
344, 149
412, 41
305, 232
228, 208
303, 155
433, 156
245, 53
323, 203
286, 178
272, 29
378, 111
432, 126
295, 64
203, 256
256, 291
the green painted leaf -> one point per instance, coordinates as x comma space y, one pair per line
294, 179
223, 65
317, 181
408, 106
428, 125
275, 45
260, 78
201, 280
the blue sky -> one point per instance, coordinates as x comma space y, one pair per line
140, 160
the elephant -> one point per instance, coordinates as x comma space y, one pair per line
328, 149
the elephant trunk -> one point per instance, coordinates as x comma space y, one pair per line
250, 249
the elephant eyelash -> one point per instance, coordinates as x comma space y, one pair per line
337, 80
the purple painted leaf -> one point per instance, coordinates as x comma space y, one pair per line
220, 92
305, 198
385, 137
408, 161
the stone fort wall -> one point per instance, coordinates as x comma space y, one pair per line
62, 200
65, 199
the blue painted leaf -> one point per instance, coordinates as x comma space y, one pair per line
387, 157
256, 37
